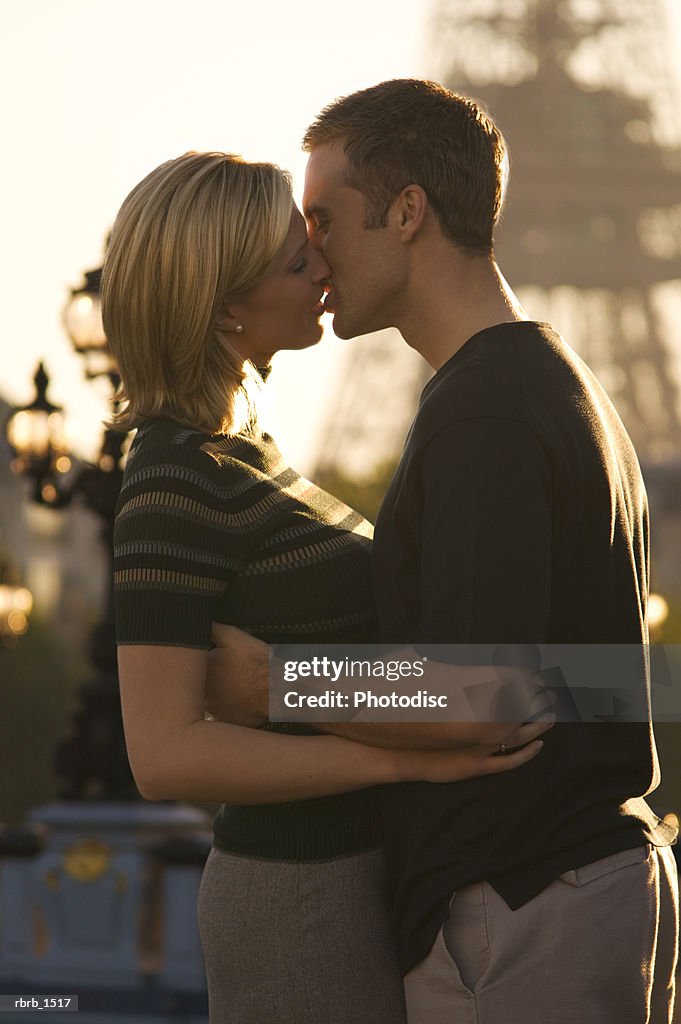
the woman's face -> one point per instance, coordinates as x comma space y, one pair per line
284, 310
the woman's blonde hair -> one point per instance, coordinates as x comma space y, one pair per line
196, 231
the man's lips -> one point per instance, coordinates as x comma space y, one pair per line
328, 303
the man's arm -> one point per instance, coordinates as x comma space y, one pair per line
238, 691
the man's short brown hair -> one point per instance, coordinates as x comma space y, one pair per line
413, 132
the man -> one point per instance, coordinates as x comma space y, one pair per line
516, 515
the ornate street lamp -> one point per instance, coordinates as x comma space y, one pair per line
98, 837
83, 313
83, 322
82, 317
92, 763
36, 433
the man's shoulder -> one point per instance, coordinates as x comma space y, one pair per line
498, 357
487, 376
522, 372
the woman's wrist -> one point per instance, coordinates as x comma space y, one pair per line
376, 765
397, 764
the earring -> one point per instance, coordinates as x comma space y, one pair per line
238, 329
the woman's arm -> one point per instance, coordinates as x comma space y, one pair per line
176, 755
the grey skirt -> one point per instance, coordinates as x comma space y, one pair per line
298, 943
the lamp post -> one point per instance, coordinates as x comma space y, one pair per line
83, 314
82, 318
113, 880
92, 762
36, 434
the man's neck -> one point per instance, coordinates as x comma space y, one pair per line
452, 300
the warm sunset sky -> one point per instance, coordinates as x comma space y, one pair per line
95, 94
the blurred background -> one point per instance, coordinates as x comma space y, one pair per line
587, 94
95, 95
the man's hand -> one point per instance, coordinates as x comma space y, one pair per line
237, 683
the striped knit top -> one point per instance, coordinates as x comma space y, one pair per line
221, 528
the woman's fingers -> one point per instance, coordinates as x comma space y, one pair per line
493, 764
530, 731
466, 763
522, 746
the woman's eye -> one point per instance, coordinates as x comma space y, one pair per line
300, 267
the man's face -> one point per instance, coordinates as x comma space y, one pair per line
367, 265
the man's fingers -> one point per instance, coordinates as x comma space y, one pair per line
236, 639
221, 633
544, 702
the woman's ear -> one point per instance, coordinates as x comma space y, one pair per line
227, 321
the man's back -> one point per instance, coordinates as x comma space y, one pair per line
517, 516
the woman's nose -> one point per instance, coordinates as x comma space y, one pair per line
321, 269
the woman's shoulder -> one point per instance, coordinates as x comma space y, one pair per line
254, 452
165, 443
195, 473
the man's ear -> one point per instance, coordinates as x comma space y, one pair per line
410, 210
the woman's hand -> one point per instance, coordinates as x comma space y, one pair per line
453, 765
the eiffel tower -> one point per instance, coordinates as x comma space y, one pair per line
591, 234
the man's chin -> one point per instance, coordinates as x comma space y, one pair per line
345, 331
341, 328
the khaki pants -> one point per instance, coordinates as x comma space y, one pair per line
598, 946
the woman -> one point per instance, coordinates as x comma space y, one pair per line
208, 274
